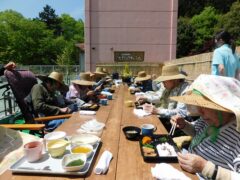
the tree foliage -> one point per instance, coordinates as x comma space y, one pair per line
52, 20
185, 37
35, 41
189, 8
230, 22
204, 25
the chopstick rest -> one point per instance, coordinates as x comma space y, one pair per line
103, 163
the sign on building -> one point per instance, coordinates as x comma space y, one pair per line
128, 56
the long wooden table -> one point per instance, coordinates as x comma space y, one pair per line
127, 162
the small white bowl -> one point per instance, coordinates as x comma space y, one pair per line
55, 135
84, 139
72, 157
57, 148
90, 147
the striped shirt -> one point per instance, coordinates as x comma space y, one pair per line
225, 151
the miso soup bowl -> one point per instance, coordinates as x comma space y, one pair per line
57, 148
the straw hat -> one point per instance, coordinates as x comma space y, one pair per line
53, 75
198, 100
170, 73
105, 70
99, 71
85, 79
142, 76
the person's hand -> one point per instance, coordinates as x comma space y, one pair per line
109, 80
10, 66
98, 88
90, 93
149, 108
191, 162
65, 110
177, 119
141, 99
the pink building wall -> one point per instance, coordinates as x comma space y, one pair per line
130, 25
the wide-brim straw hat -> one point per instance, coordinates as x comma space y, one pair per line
198, 100
99, 71
142, 76
170, 72
85, 79
56, 76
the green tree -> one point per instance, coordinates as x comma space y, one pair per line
66, 58
185, 37
204, 25
230, 22
189, 8
72, 29
52, 20
27, 41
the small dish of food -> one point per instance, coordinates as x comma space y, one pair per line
74, 162
57, 148
82, 149
84, 139
132, 132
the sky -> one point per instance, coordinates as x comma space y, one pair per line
31, 8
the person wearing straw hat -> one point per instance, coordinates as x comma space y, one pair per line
82, 89
173, 84
44, 100
99, 74
143, 82
214, 151
9, 66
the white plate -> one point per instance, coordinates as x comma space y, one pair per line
84, 139
93, 125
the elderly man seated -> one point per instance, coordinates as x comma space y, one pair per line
215, 148
8, 66
43, 98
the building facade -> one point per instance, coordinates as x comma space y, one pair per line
129, 31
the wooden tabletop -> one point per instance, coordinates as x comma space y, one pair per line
127, 162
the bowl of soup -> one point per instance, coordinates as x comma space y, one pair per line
82, 149
131, 132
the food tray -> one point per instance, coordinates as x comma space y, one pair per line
49, 165
90, 107
156, 139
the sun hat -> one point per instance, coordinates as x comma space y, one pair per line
214, 92
142, 76
170, 72
99, 71
85, 79
54, 76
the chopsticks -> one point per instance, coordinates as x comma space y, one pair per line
172, 130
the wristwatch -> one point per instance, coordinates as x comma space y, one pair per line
215, 172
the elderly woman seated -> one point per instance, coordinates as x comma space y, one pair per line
82, 89
215, 148
174, 85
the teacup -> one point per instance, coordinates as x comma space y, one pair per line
148, 129
33, 151
129, 103
109, 97
103, 102
53, 136
57, 148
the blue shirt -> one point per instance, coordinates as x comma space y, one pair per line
223, 55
